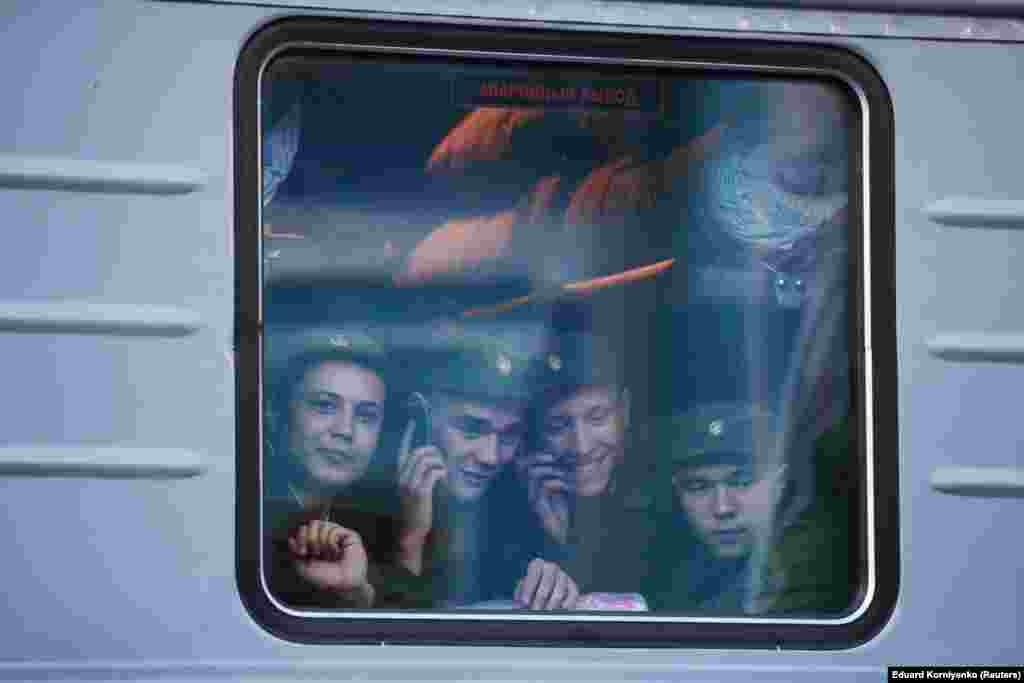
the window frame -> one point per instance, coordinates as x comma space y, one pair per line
871, 316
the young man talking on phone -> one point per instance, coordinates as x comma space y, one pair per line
456, 508
592, 509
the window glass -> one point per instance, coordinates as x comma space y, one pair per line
559, 340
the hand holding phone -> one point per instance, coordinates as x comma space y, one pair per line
420, 467
418, 409
551, 490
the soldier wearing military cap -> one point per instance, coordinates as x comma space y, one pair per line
479, 385
326, 393
735, 549
727, 479
592, 506
326, 405
728, 475
584, 412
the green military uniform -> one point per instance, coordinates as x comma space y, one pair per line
813, 557
368, 506
475, 553
365, 510
804, 565
609, 534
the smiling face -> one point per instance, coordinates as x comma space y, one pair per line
478, 439
728, 506
587, 430
335, 417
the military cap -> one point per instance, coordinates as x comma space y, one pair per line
575, 359
482, 364
284, 349
724, 432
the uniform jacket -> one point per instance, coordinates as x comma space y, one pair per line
477, 551
808, 568
609, 542
369, 512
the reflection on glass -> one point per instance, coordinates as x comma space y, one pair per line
561, 341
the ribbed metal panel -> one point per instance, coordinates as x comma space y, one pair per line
106, 462
985, 482
83, 317
968, 212
52, 173
977, 346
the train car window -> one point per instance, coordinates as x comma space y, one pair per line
564, 338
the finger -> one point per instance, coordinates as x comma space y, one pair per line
532, 488
426, 474
348, 538
431, 475
406, 443
323, 537
334, 540
408, 466
558, 492
554, 510
313, 538
544, 587
572, 596
351, 549
406, 462
325, 530
540, 457
343, 537
542, 506
414, 474
548, 492
554, 480
303, 540
530, 581
538, 477
435, 476
559, 591
423, 457
544, 472
408, 469
526, 461
555, 487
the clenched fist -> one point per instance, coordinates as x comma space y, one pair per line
331, 557
546, 586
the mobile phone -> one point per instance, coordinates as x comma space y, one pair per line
418, 409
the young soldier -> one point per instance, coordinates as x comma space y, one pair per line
325, 410
457, 512
591, 504
735, 550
